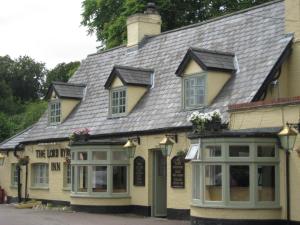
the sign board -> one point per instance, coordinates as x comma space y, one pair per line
177, 172
139, 171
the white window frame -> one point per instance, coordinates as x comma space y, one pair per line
225, 161
202, 76
57, 112
109, 163
67, 176
39, 171
14, 175
118, 90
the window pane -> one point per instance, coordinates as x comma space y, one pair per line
118, 101
99, 156
119, 179
67, 175
239, 183
82, 178
119, 155
239, 151
212, 151
266, 183
40, 174
266, 151
213, 182
196, 180
194, 91
82, 156
99, 177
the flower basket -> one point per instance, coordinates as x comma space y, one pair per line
80, 135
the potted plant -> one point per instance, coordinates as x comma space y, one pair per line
203, 122
80, 135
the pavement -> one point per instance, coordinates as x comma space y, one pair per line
11, 216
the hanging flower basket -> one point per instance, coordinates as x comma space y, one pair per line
206, 122
80, 135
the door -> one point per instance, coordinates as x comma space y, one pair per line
159, 208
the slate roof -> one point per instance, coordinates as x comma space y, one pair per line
66, 90
130, 75
13, 141
256, 36
208, 60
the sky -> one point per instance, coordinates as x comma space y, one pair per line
47, 31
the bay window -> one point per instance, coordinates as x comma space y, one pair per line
99, 171
236, 172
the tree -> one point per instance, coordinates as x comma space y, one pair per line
62, 72
107, 18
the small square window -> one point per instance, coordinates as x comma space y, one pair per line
239, 151
266, 151
212, 151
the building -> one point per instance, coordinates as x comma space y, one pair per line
244, 64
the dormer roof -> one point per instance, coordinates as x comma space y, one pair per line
66, 90
130, 76
208, 60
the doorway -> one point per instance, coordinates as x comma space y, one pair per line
159, 205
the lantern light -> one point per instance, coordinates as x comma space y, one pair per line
167, 143
288, 137
130, 146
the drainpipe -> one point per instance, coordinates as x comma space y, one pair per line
288, 207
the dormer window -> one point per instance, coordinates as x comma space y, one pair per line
127, 85
62, 99
55, 112
204, 73
194, 91
118, 101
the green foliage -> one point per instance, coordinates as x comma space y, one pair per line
22, 86
107, 18
62, 72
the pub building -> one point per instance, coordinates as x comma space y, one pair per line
132, 130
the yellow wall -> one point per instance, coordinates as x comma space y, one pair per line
139, 25
292, 17
56, 190
67, 106
117, 83
192, 68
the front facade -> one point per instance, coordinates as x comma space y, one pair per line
140, 95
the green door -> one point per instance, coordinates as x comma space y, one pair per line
159, 208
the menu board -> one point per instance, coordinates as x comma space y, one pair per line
139, 171
177, 172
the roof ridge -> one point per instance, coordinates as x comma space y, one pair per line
133, 68
196, 24
212, 51
68, 84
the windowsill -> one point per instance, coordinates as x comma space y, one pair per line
123, 196
258, 207
13, 186
39, 188
116, 116
66, 189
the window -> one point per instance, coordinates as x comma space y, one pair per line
194, 91
104, 173
67, 175
118, 101
236, 173
14, 175
40, 175
54, 112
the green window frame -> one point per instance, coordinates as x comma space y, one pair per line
194, 91
14, 175
40, 175
118, 101
54, 112
245, 181
104, 174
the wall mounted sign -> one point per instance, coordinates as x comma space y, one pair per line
139, 171
177, 172
53, 153
55, 166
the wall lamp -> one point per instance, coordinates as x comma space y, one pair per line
2, 158
166, 144
288, 136
130, 146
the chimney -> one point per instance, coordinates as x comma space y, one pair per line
292, 18
141, 24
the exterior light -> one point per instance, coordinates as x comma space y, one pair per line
130, 146
166, 144
288, 137
2, 157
